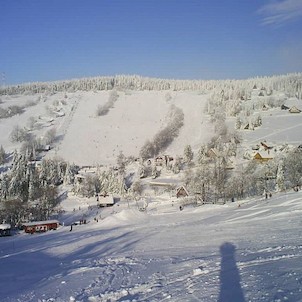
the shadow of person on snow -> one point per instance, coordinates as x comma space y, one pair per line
230, 288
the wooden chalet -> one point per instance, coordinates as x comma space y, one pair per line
265, 107
5, 229
294, 109
261, 158
40, 226
212, 153
181, 192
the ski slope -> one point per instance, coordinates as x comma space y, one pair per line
207, 253
84, 138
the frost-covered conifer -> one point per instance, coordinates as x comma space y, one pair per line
4, 187
188, 154
121, 163
68, 178
280, 186
18, 185
238, 123
2, 155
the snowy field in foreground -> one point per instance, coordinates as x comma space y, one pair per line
252, 252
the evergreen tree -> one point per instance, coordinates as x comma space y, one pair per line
2, 155
177, 165
238, 123
69, 175
121, 163
4, 187
34, 188
188, 154
18, 186
280, 186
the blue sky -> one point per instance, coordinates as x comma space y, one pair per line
45, 40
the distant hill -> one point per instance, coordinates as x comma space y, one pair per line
141, 110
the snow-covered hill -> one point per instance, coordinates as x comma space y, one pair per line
209, 253
87, 139
241, 251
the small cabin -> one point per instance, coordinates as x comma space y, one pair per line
261, 158
5, 229
212, 153
294, 109
105, 200
40, 226
181, 192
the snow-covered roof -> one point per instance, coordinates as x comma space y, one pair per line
106, 200
263, 155
32, 223
5, 226
294, 109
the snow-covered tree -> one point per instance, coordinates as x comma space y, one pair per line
137, 188
121, 163
68, 178
154, 171
280, 179
19, 134
201, 155
2, 155
50, 136
176, 165
4, 187
188, 154
147, 151
238, 123
34, 186
18, 186
293, 168
104, 109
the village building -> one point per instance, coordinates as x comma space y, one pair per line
294, 109
261, 157
40, 226
105, 200
5, 229
181, 192
212, 153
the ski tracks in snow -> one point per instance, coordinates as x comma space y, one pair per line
140, 279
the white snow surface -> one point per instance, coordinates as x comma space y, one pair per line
251, 252
207, 253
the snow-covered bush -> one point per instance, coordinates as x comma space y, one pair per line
11, 111
19, 134
50, 136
